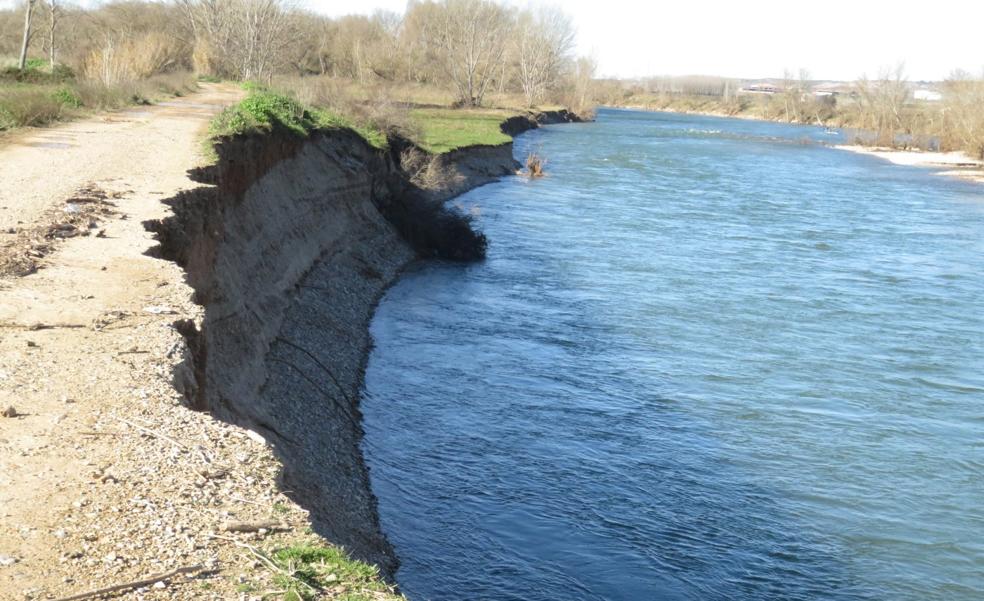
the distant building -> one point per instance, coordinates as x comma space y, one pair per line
927, 95
760, 88
832, 89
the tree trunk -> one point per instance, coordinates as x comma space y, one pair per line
27, 34
51, 32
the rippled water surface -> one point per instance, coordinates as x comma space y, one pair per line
705, 359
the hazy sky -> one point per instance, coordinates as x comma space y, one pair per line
833, 39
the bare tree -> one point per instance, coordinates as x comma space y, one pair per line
545, 39
880, 104
54, 14
582, 85
963, 109
28, 13
794, 95
472, 37
242, 38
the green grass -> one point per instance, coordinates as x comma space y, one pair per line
436, 130
308, 569
446, 129
262, 110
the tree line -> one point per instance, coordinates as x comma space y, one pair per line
878, 111
469, 47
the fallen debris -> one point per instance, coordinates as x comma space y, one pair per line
79, 216
135, 584
268, 525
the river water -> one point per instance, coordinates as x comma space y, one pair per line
705, 359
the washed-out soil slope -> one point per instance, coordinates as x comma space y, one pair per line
277, 257
289, 253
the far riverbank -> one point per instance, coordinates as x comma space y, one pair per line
954, 164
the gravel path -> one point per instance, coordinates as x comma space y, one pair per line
104, 476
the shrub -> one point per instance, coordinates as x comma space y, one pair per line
367, 110
6, 119
424, 169
534, 165
36, 76
28, 106
129, 59
205, 59
169, 84
35, 64
99, 96
261, 111
62, 73
68, 97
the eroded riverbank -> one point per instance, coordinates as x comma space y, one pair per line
108, 477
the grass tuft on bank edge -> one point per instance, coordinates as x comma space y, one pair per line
310, 571
263, 109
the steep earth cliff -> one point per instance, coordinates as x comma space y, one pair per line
289, 245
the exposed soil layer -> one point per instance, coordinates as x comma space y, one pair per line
289, 253
279, 256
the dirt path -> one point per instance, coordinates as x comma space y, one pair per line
152, 145
104, 478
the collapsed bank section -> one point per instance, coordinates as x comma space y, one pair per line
288, 245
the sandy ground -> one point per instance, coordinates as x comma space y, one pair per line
104, 477
955, 164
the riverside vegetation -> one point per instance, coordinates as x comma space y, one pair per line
38, 95
880, 112
375, 74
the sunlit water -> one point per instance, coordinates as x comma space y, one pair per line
705, 359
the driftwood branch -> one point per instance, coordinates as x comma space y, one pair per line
254, 526
34, 327
135, 584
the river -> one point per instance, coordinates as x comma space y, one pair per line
706, 358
